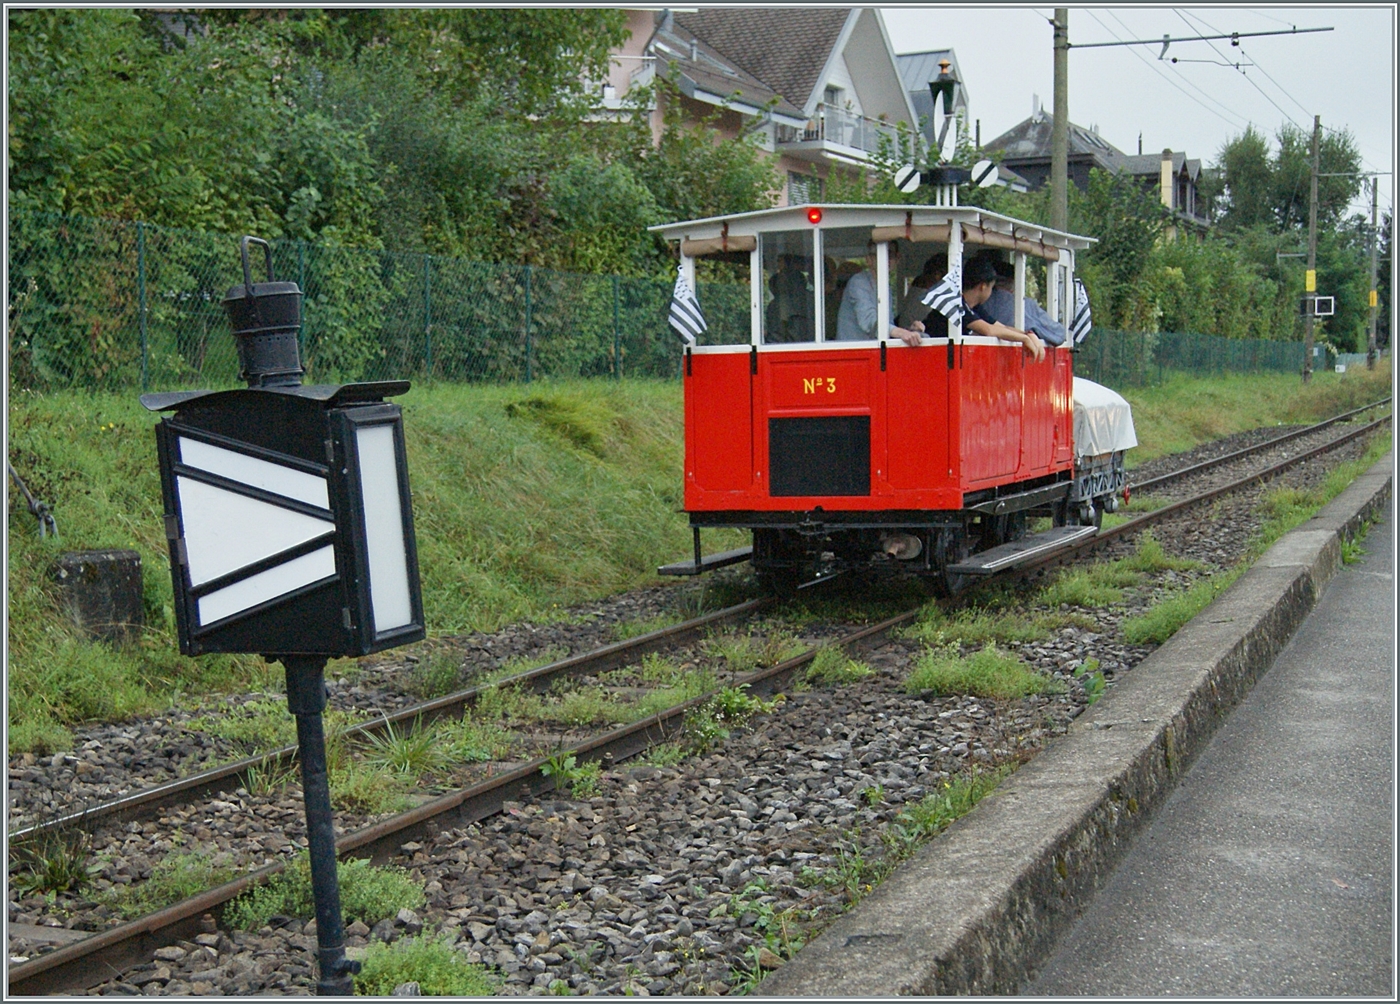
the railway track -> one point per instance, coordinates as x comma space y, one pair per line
94, 959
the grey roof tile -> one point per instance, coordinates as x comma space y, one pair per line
785, 47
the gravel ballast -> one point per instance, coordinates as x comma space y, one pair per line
669, 879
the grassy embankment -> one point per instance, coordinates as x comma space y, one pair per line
1183, 412
526, 500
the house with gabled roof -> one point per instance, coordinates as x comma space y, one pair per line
824, 99
1171, 176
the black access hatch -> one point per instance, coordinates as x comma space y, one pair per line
829, 455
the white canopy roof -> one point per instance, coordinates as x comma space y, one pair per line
795, 217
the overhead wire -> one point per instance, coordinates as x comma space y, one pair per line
1241, 72
1182, 78
1168, 79
1337, 132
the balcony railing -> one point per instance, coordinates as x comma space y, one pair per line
837, 125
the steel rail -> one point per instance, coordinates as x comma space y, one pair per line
93, 960
96, 959
1036, 568
220, 779
1249, 450
142, 803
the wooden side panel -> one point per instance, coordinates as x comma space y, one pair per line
990, 413
718, 425
918, 426
1038, 413
1064, 409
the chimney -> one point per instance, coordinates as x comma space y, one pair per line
1139, 144
1168, 179
694, 51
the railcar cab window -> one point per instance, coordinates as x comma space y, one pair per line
722, 287
850, 309
789, 286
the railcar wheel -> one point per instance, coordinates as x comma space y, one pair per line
777, 562
1005, 529
948, 548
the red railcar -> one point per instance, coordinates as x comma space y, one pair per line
862, 451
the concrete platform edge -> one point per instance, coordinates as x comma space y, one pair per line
979, 906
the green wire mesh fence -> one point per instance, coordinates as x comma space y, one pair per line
105, 303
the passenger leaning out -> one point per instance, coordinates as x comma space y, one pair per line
857, 316
978, 281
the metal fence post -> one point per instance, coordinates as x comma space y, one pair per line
301, 285
141, 297
427, 314
529, 374
617, 334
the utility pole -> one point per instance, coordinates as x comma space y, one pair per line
1375, 301
1310, 278
1059, 135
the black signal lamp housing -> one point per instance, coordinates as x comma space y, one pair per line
287, 507
289, 519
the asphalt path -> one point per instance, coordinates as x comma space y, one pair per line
1270, 870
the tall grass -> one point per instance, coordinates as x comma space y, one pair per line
1184, 412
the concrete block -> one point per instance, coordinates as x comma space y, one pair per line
100, 592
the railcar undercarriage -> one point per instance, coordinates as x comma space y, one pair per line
947, 548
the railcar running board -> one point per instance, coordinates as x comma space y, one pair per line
708, 563
1018, 552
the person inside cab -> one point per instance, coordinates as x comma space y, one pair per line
859, 311
1001, 307
979, 280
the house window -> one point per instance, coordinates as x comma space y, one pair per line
803, 188
833, 96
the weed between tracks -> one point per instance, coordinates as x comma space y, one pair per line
432, 963
172, 878
989, 672
368, 893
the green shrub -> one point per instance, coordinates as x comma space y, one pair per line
987, 673
53, 861
358, 787
975, 626
426, 960
440, 674
367, 893
410, 752
256, 727
1149, 557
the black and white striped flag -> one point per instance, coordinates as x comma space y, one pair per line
685, 311
1080, 327
946, 297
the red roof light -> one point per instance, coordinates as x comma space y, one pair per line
814, 215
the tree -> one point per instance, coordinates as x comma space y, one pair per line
1272, 187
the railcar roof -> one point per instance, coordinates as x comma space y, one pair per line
795, 217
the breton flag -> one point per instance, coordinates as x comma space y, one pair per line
685, 311
1080, 327
946, 297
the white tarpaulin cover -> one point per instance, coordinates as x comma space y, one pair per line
1103, 421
